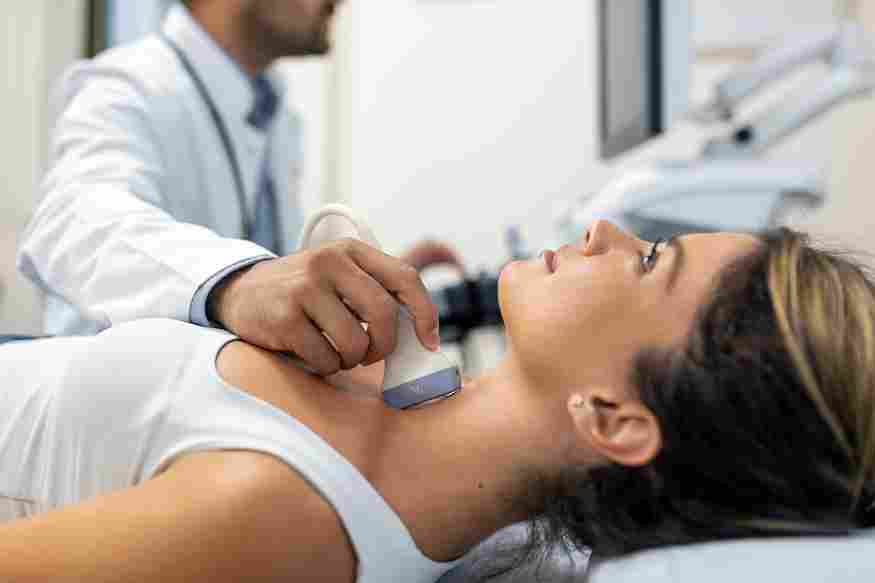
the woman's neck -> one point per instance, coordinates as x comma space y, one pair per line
459, 470
455, 471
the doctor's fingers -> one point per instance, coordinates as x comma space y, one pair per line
308, 343
404, 284
332, 316
373, 305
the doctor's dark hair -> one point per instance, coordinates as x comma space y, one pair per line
767, 417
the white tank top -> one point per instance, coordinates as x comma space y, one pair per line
87, 415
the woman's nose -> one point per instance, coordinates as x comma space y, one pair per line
602, 235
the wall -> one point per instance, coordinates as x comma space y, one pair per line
309, 86
128, 20
40, 36
752, 22
850, 218
843, 140
464, 117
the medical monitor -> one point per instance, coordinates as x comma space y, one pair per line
645, 55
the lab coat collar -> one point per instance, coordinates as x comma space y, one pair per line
230, 87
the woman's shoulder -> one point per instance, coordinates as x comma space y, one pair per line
344, 409
152, 328
274, 523
141, 342
128, 366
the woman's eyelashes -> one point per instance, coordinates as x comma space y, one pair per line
648, 261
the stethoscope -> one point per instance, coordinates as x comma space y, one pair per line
222, 130
414, 376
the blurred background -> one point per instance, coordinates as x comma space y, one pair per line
455, 119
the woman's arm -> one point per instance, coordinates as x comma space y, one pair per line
219, 516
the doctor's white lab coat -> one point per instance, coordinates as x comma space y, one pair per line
140, 208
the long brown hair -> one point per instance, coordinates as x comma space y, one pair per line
767, 416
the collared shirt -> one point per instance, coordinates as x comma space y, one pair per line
140, 211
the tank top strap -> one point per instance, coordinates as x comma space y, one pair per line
213, 414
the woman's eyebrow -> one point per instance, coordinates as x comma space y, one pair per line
677, 262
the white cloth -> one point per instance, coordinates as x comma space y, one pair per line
83, 416
140, 207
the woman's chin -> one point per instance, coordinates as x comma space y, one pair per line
506, 280
514, 279
511, 274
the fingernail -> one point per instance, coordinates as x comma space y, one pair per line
435, 340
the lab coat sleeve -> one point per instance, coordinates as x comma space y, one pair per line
103, 236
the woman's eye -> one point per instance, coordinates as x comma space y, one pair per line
648, 261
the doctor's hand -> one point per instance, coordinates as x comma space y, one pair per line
286, 304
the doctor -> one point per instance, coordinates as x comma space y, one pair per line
171, 193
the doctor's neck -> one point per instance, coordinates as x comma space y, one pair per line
228, 26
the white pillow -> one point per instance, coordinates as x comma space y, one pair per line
845, 559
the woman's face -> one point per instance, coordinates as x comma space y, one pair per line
580, 314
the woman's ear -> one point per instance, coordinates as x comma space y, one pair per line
619, 429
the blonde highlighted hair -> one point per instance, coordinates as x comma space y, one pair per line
825, 309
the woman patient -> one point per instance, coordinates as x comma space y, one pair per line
713, 386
